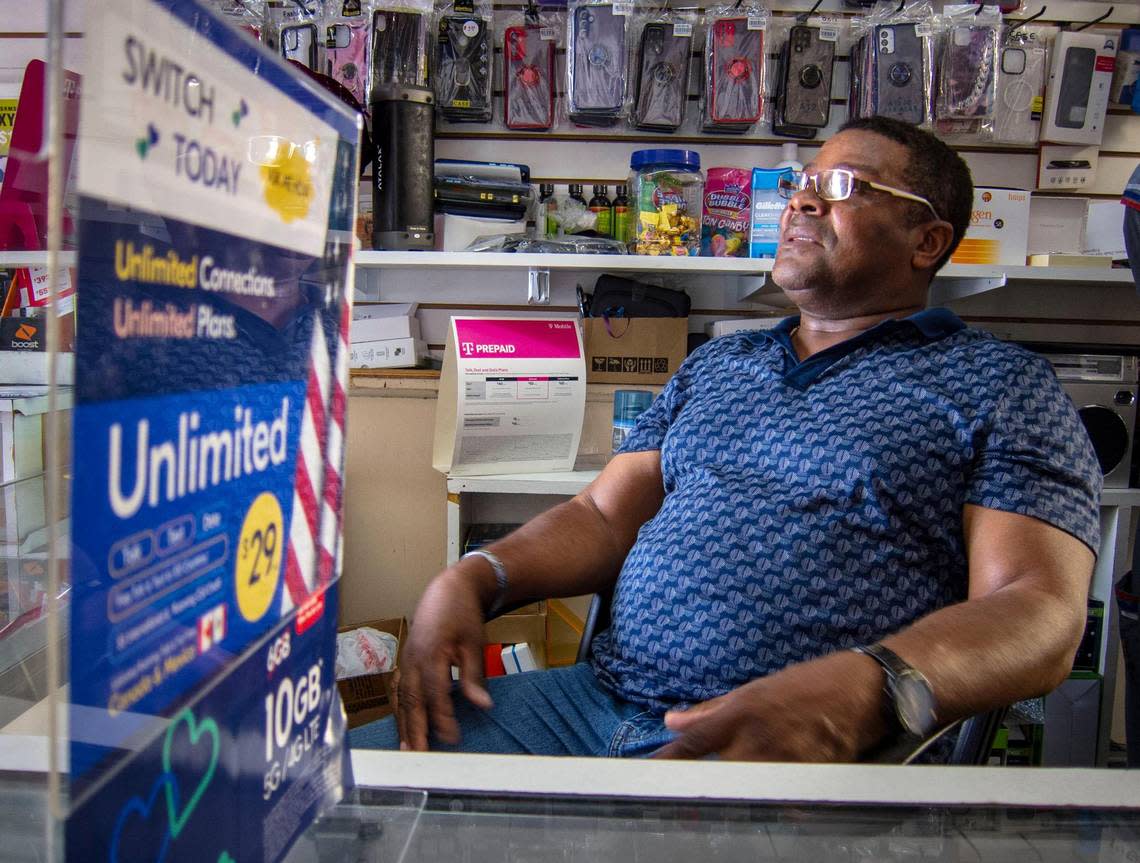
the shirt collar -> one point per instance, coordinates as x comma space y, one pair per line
934, 324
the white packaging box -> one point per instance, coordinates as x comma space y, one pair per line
736, 325
1056, 225
456, 233
22, 421
379, 329
1080, 78
999, 228
387, 354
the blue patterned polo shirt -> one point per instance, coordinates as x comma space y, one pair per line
814, 506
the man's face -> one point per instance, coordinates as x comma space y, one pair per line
853, 257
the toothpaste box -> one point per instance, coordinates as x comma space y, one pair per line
767, 207
726, 214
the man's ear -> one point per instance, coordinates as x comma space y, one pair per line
933, 239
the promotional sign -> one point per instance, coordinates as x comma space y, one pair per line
512, 396
217, 194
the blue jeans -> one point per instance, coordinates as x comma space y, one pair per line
563, 711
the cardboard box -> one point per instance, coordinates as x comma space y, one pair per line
639, 351
1062, 168
738, 325
999, 228
373, 696
382, 328
387, 354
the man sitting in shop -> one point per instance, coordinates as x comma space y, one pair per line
869, 484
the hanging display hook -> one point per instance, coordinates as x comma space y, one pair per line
803, 17
1025, 21
1095, 20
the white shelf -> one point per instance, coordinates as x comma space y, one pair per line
1120, 497
34, 259
569, 263
560, 482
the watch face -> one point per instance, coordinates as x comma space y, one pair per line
914, 702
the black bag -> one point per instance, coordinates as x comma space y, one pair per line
615, 297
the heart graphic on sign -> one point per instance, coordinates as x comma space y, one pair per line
195, 731
135, 831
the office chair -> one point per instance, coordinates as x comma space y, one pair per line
975, 734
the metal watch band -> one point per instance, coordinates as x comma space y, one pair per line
500, 578
892, 663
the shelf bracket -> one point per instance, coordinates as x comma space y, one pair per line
538, 287
946, 290
751, 289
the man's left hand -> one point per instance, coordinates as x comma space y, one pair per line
828, 709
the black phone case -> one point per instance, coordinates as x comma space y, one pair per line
399, 45
662, 77
735, 66
464, 68
805, 78
528, 86
900, 73
1076, 81
599, 62
299, 42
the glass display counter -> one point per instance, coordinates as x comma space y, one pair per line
480, 824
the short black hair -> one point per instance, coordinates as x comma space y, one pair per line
933, 171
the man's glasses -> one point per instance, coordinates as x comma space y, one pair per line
838, 184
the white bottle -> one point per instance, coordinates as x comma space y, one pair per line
790, 157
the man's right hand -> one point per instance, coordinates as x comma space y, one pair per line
447, 631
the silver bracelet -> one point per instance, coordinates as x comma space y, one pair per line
500, 578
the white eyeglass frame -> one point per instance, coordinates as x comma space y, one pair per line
800, 180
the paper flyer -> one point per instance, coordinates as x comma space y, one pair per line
512, 396
216, 198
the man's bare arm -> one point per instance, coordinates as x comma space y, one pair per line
575, 548
578, 547
1013, 638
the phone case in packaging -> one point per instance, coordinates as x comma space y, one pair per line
804, 94
662, 77
734, 56
966, 73
899, 73
399, 48
1020, 97
299, 42
528, 73
596, 61
464, 68
346, 55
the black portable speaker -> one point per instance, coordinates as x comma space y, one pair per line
402, 171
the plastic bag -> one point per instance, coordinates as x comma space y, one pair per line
661, 69
346, 48
365, 651
465, 61
530, 43
966, 74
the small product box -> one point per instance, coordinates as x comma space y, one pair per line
726, 214
767, 208
387, 354
1076, 98
999, 228
375, 323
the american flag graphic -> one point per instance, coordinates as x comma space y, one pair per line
312, 557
